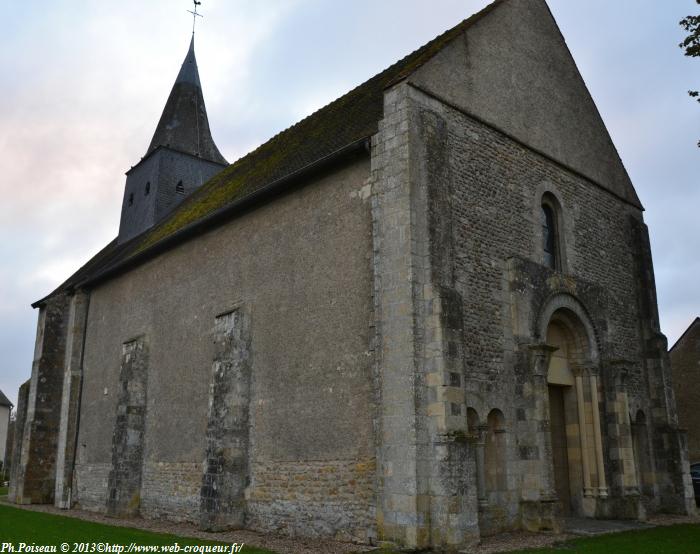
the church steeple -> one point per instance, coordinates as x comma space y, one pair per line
184, 125
181, 157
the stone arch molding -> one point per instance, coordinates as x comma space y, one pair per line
564, 223
562, 301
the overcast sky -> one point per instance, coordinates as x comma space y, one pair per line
83, 85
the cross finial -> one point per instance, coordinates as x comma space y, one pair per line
194, 13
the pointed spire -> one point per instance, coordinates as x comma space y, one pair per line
184, 125
188, 71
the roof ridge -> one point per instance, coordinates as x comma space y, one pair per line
428, 48
461, 26
344, 121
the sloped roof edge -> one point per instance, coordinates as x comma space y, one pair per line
331, 131
4, 401
695, 322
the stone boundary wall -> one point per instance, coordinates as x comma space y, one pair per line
318, 498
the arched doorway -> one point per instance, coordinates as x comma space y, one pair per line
571, 408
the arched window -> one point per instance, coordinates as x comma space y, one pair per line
478, 432
131, 199
640, 448
495, 453
180, 188
549, 236
148, 188
550, 233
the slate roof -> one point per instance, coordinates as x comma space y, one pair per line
184, 125
351, 118
4, 401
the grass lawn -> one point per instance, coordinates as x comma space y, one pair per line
676, 539
17, 525
660, 540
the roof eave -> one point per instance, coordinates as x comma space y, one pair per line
226, 213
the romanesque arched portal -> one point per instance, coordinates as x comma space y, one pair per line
573, 398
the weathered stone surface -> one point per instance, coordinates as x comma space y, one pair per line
70, 399
226, 473
311, 397
393, 351
17, 441
171, 490
36, 470
685, 363
130, 423
91, 483
315, 498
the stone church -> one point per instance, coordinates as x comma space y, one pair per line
423, 314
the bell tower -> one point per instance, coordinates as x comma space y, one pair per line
180, 158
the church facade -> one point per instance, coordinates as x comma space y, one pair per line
423, 314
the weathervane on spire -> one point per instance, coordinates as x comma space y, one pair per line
194, 13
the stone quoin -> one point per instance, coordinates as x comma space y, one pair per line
424, 314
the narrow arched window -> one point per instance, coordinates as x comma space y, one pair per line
148, 188
131, 199
550, 240
495, 453
180, 188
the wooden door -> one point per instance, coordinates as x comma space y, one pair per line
560, 457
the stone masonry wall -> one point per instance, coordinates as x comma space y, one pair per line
311, 397
327, 499
70, 400
426, 479
130, 422
21, 418
91, 484
36, 477
496, 187
171, 491
685, 364
226, 474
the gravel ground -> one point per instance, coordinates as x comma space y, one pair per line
506, 542
502, 542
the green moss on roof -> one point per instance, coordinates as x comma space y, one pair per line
350, 118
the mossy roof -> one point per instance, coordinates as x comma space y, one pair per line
351, 118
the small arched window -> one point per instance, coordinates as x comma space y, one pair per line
495, 453
148, 188
550, 238
180, 188
131, 199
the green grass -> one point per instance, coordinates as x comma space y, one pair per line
17, 525
676, 539
659, 540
